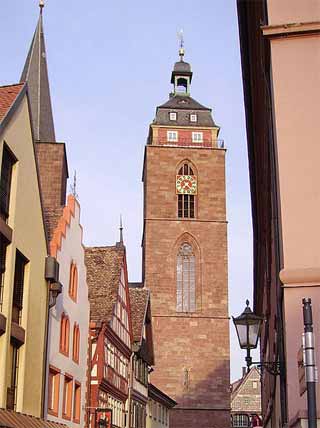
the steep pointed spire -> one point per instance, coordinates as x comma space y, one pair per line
35, 73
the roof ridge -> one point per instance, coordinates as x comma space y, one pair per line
12, 84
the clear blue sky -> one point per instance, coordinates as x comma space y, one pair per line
109, 67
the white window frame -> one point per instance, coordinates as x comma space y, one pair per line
193, 117
173, 115
197, 137
172, 136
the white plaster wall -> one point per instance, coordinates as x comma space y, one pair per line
71, 250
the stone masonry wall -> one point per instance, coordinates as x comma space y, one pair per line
191, 349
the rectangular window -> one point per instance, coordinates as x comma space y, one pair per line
53, 391
77, 402
173, 115
172, 135
193, 118
8, 160
3, 250
186, 206
19, 274
67, 397
12, 390
197, 137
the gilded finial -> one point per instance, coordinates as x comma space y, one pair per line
41, 5
181, 44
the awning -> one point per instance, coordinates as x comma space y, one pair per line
10, 419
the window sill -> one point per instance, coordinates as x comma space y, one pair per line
17, 334
66, 417
66, 354
73, 298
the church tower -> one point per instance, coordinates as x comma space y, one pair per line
185, 256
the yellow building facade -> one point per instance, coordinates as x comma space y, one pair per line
23, 251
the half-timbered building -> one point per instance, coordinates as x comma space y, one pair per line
143, 356
110, 333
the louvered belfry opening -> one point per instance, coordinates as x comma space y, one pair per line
19, 275
186, 279
8, 160
186, 203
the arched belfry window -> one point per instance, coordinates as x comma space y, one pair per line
186, 186
186, 279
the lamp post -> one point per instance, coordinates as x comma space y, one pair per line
248, 326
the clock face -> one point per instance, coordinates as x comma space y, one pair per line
186, 184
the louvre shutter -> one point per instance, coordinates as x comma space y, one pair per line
5, 181
3, 250
19, 280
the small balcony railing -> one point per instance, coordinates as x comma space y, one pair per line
187, 142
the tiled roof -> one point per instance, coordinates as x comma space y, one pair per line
139, 298
8, 95
103, 276
10, 419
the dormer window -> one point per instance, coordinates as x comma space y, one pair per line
172, 136
193, 118
173, 115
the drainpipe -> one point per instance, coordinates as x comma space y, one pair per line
45, 366
309, 362
130, 387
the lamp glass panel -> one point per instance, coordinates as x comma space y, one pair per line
254, 334
242, 334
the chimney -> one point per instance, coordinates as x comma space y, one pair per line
244, 371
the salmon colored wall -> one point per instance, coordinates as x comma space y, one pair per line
293, 11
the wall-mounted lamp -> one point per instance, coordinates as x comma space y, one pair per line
248, 327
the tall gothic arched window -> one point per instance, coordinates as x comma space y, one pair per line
186, 279
186, 189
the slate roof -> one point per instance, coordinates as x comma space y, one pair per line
183, 105
182, 67
183, 102
139, 299
10, 419
35, 73
103, 276
8, 95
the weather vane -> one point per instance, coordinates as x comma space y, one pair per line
181, 43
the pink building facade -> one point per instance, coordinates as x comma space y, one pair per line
280, 50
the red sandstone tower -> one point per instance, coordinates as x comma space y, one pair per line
185, 257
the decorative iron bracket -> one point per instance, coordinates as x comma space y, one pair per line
274, 367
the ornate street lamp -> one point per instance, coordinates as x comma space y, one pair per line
248, 327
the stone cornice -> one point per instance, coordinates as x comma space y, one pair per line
290, 30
